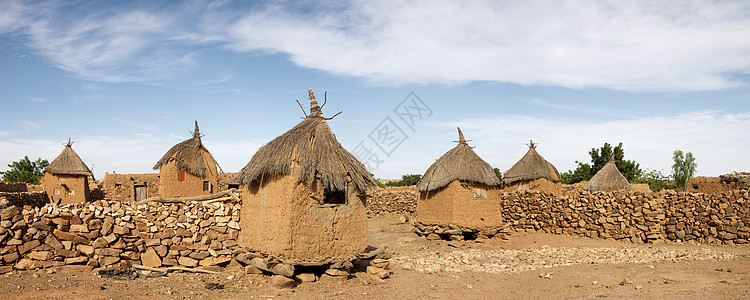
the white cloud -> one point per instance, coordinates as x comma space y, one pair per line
37, 100
624, 45
620, 45
716, 139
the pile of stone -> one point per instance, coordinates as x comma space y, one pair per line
286, 273
106, 234
636, 216
396, 200
457, 233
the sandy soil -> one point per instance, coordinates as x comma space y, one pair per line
529, 265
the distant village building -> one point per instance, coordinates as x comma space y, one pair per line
459, 189
66, 178
303, 195
532, 172
130, 187
608, 179
187, 169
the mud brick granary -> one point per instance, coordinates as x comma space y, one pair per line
187, 169
66, 178
460, 190
303, 195
533, 172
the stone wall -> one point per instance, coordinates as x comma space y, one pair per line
17, 187
394, 200
634, 216
33, 199
111, 233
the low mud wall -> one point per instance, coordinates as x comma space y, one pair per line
395, 200
636, 216
111, 233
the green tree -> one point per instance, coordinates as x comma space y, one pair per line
498, 174
683, 168
599, 157
656, 180
407, 179
25, 170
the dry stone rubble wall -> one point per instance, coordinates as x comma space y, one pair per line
109, 233
636, 216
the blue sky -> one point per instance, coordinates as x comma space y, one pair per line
125, 80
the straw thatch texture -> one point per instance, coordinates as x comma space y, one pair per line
608, 179
531, 166
313, 146
68, 163
459, 163
189, 156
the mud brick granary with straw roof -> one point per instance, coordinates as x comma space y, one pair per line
533, 172
459, 190
303, 195
608, 179
187, 169
66, 178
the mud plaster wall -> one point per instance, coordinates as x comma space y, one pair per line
709, 185
322, 231
111, 233
266, 215
455, 204
539, 184
476, 213
170, 186
280, 218
72, 188
17, 187
121, 187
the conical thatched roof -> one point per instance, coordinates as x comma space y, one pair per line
459, 163
531, 166
313, 146
189, 156
608, 179
68, 163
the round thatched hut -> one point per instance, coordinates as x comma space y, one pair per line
303, 195
459, 189
608, 179
66, 179
187, 169
532, 172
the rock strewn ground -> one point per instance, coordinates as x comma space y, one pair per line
515, 261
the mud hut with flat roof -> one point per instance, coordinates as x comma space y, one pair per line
66, 178
608, 179
187, 169
303, 195
532, 172
459, 190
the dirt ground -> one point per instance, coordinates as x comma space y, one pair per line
528, 265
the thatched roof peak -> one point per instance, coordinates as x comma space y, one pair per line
190, 156
68, 163
532, 166
459, 163
313, 147
608, 179
197, 132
